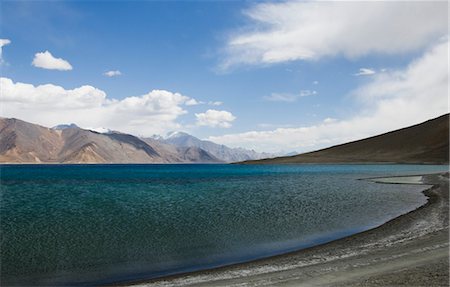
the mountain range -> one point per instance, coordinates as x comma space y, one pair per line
222, 152
427, 142
23, 142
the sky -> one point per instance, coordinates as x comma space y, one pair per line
277, 76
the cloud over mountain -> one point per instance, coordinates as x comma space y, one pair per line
49, 105
215, 118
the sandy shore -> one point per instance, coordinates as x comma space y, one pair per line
410, 250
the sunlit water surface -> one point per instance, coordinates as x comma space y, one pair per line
98, 224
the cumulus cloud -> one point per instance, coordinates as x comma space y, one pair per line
215, 118
192, 102
289, 98
391, 100
112, 73
365, 72
310, 30
45, 60
3, 42
153, 113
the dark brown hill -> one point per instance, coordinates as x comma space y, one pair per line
427, 143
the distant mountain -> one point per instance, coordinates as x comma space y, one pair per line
427, 142
64, 126
23, 142
174, 153
222, 152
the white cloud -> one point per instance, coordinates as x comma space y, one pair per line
45, 60
153, 113
112, 73
365, 72
289, 98
267, 125
192, 102
329, 120
391, 100
214, 118
310, 30
3, 42
216, 103
315, 82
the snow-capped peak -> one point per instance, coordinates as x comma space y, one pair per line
172, 135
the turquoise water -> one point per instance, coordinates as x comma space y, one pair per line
98, 224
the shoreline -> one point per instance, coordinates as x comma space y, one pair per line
226, 163
396, 252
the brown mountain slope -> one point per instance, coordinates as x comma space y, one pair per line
427, 142
22, 142
87, 146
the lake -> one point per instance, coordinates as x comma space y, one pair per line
99, 224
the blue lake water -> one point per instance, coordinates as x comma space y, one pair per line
98, 224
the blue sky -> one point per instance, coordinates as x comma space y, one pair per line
285, 73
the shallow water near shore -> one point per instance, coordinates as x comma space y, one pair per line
94, 224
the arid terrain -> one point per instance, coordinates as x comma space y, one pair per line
427, 142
